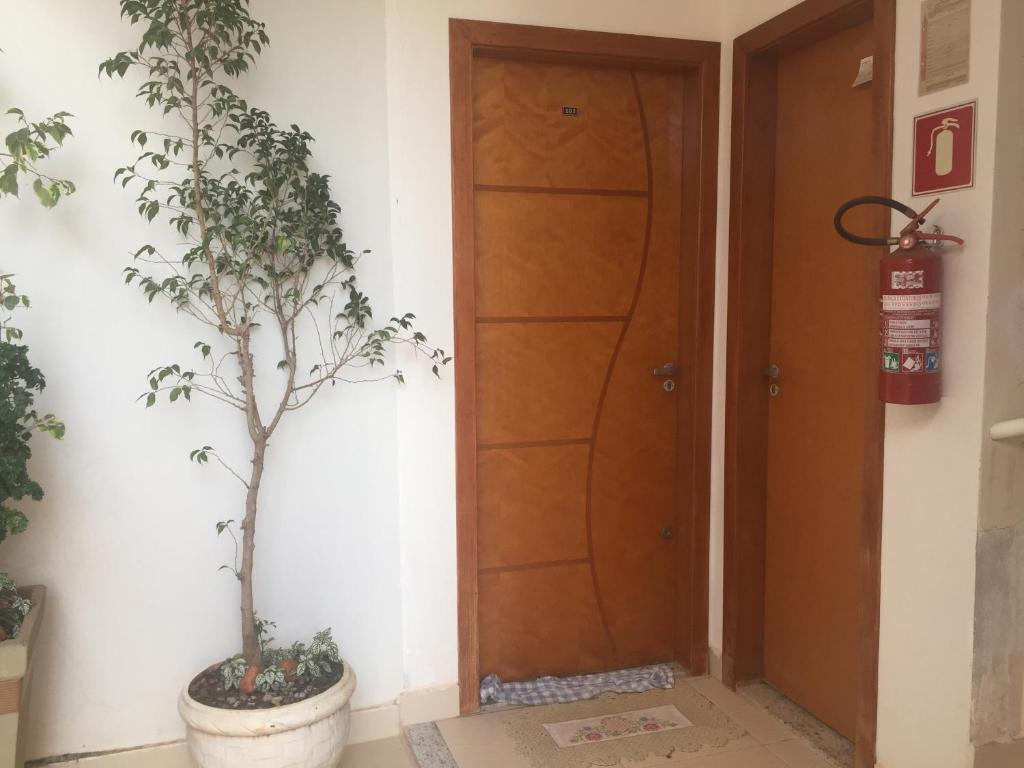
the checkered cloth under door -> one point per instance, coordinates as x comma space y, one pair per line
562, 690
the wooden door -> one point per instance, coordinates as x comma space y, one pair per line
824, 341
577, 199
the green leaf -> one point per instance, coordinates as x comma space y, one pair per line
9, 180
45, 194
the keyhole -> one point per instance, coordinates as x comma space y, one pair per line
668, 385
773, 389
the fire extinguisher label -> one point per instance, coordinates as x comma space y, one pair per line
910, 302
910, 333
910, 326
913, 361
908, 280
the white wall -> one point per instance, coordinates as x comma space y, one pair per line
932, 453
124, 537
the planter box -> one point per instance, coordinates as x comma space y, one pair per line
15, 670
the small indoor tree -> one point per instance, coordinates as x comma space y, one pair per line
24, 148
264, 256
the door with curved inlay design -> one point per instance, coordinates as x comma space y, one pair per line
580, 278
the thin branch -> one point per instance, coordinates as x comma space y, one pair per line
229, 469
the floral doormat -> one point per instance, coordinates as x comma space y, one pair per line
709, 728
636, 722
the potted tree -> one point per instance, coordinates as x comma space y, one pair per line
21, 609
265, 263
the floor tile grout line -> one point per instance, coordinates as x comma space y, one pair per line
757, 732
824, 754
819, 757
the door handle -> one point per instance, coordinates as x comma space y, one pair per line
668, 369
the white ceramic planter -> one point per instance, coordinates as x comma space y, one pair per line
307, 734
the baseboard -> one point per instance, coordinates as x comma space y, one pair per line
715, 664
425, 705
418, 705
171, 755
375, 723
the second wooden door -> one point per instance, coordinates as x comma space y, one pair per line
824, 341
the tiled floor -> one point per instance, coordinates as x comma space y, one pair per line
474, 741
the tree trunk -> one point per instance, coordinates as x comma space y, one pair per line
250, 640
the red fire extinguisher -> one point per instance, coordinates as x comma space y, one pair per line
910, 288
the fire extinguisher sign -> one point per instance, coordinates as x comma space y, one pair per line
944, 149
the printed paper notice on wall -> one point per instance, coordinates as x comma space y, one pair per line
945, 44
944, 149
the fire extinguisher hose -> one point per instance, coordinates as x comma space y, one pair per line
888, 202
908, 237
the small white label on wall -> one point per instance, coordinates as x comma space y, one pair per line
865, 72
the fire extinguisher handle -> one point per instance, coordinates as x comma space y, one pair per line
888, 202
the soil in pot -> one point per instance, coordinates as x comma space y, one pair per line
208, 688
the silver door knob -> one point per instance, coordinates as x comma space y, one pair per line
668, 369
772, 371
